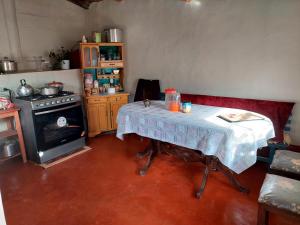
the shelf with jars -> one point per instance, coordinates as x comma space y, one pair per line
102, 69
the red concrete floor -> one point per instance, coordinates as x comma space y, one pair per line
102, 187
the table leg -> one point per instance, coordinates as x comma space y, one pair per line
230, 175
20, 136
203, 183
151, 151
208, 162
144, 153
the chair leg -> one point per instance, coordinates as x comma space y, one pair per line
262, 216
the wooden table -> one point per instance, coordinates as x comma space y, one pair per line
198, 136
8, 115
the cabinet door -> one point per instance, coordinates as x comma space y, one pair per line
115, 106
93, 119
95, 55
86, 58
103, 123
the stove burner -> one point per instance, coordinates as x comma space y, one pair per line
36, 97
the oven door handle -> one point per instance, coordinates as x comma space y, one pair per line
57, 110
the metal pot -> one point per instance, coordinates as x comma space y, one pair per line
48, 91
10, 148
58, 85
8, 66
24, 89
113, 35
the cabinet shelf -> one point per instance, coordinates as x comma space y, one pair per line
8, 133
119, 44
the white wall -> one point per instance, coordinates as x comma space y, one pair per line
236, 48
42, 25
70, 78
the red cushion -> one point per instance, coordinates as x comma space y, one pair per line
278, 112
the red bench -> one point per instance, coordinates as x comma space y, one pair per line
278, 112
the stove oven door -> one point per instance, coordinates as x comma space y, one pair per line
58, 125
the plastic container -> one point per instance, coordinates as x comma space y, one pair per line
186, 107
172, 100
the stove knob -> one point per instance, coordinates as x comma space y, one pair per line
53, 102
47, 103
42, 104
67, 99
72, 99
63, 100
57, 101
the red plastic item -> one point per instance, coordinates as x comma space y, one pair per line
170, 91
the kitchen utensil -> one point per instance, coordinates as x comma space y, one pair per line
56, 84
48, 91
8, 66
24, 89
9, 149
113, 35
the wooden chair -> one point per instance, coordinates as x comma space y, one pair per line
278, 195
286, 163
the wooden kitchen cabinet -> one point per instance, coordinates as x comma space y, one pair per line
98, 60
102, 111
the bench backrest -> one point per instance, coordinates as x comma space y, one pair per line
278, 112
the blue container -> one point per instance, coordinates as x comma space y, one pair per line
186, 107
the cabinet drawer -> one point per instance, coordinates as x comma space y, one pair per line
112, 64
121, 98
96, 100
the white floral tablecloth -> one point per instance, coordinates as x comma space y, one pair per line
234, 144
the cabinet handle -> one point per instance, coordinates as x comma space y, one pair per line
112, 64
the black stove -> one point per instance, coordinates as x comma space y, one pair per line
52, 125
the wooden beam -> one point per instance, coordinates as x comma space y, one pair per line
83, 3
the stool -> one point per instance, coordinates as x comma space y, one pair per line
9, 114
286, 163
279, 195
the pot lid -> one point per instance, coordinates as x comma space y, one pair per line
55, 83
170, 91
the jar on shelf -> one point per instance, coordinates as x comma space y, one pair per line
172, 100
88, 80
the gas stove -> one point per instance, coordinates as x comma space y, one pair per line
52, 126
39, 101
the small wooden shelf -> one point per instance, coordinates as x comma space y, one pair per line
8, 133
5, 159
103, 44
13, 130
